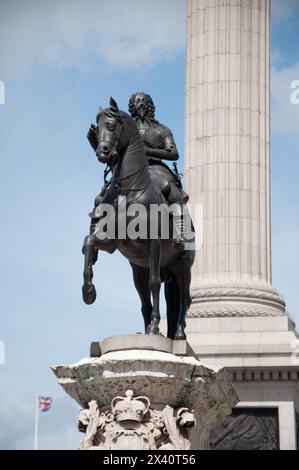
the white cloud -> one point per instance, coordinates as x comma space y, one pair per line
126, 33
284, 114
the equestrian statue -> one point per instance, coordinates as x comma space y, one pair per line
132, 147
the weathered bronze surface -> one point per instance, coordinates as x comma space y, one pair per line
132, 148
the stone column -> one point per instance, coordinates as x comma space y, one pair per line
227, 165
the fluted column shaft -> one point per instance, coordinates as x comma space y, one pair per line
227, 137
227, 165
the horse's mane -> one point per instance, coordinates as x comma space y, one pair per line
119, 115
126, 118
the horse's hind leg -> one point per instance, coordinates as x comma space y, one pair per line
141, 282
89, 293
154, 285
183, 279
173, 303
185, 305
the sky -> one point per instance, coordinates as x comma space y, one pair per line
60, 61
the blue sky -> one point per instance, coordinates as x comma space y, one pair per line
60, 61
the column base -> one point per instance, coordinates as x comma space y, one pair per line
242, 300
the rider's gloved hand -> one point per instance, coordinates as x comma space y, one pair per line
92, 136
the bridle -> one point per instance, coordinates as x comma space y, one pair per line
115, 148
112, 157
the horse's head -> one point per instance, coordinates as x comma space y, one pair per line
111, 135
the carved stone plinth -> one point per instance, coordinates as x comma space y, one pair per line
140, 395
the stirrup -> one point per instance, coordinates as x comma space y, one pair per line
178, 243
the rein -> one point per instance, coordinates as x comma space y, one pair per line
130, 189
123, 178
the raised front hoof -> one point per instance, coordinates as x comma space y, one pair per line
152, 330
180, 334
89, 294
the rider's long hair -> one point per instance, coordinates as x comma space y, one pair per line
150, 106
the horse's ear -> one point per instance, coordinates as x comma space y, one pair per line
99, 114
113, 105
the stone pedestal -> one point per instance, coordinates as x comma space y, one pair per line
146, 392
261, 356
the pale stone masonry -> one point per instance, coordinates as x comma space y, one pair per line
236, 319
227, 140
184, 398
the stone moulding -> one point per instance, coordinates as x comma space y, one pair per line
232, 311
247, 292
222, 301
265, 375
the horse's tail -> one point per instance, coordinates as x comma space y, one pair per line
172, 298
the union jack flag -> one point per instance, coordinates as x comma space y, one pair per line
44, 403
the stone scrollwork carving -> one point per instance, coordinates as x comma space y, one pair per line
133, 424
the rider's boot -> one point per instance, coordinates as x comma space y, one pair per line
181, 226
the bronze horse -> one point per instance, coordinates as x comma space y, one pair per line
153, 259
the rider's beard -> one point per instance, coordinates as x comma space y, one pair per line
142, 113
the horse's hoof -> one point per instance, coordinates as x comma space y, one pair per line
89, 294
152, 331
180, 335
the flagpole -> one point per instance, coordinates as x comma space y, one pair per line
36, 424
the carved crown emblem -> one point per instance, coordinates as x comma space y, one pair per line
130, 409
